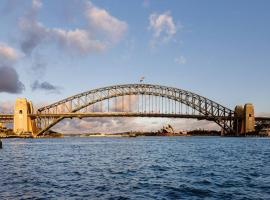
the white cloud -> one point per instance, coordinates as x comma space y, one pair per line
180, 60
79, 39
36, 4
103, 29
8, 53
105, 23
163, 26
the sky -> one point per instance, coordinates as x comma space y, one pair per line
50, 50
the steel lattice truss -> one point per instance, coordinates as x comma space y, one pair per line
76, 104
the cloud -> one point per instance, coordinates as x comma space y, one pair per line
162, 26
103, 30
33, 33
38, 66
9, 80
78, 39
36, 4
114, 125
180, 60
46, 86
107, 125
101, 21
8, 54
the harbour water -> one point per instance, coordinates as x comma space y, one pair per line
135, 168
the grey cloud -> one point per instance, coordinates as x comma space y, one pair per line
33, 34
9, 80
39, 65
45, 86
108, 125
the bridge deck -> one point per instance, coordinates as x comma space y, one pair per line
122, 114
9, 117
262, 118
6, 117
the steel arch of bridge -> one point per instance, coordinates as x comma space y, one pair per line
220, 114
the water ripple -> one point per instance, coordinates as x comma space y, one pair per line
136, 168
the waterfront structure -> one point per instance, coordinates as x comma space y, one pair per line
244, 119
132, 100
23, 124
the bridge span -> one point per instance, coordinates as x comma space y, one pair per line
8, 118
126, 114
132, 100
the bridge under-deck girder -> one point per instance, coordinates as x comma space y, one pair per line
6, 118
9, 117
125, 114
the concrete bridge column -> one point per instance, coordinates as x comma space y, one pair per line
245, 123
23, 124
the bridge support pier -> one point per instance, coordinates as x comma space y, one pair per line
23, 125
245, 119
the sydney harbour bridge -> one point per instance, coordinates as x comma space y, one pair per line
132, 100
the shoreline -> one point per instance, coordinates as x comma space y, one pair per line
127, 136
8, 134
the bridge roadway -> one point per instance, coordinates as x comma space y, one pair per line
122, 114
9, 117
6, 118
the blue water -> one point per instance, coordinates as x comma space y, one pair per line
135, 168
